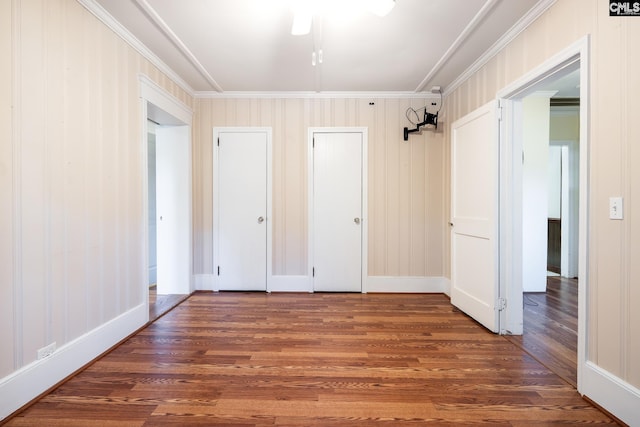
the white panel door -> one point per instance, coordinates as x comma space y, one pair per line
474, 208
242, 210
173, 209
337, 212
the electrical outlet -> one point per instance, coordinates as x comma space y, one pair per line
616, 209
46, 351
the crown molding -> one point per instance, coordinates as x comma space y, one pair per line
533, 14
318, 95
168, 32
471, 26
105, 17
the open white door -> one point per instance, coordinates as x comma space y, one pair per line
173, 209
241, 255
337, 211
474, 215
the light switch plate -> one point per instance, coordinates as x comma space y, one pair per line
616, 210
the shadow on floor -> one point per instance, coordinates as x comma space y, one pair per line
161, 304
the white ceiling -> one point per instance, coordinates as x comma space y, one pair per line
246, 45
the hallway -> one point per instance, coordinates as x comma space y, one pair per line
551, 327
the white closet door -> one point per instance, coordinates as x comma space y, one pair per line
242, 199
337, 212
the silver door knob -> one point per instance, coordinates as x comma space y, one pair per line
356, 220
260, 220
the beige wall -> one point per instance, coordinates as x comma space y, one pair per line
564, 125
6, 194
614, 246
406, 216
71, 176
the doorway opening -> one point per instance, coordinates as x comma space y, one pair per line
550, 226
546, 311
167, 201
550, 328
167, 269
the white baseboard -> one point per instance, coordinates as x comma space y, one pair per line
203, 282
386, 284
207, 282
29, 382
447, 286
289, 284
407, 284
613, 394
372, 284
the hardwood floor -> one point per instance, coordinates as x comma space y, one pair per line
161, 304
257, 359
551, 327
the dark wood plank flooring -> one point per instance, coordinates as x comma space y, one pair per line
257, 359
551, 327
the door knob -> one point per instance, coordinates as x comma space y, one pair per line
356, 220
260, 220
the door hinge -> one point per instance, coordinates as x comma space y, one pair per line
218, 270
313, 143
313, 272
499, 113
218, 141
501, 304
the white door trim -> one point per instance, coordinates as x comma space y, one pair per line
365, 185
511, 185
216, 197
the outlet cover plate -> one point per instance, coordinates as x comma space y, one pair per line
46, 351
